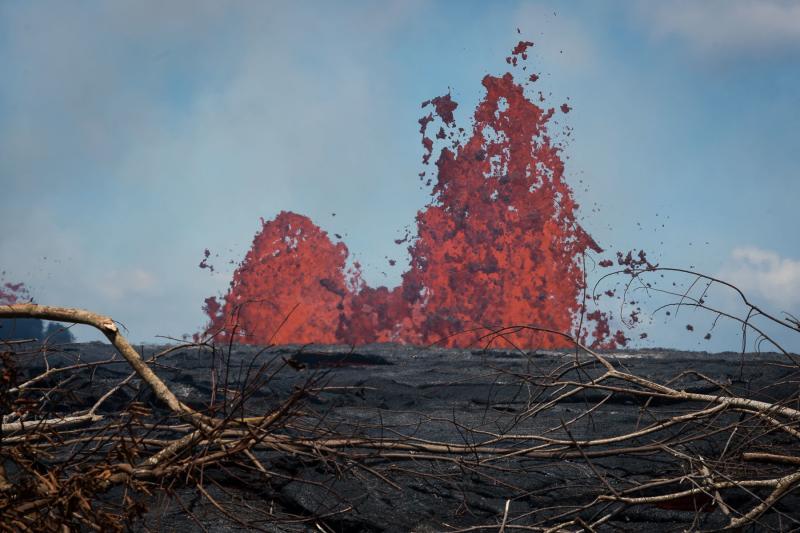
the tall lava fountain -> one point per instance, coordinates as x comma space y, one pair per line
498, 245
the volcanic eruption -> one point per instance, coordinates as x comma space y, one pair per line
498, 245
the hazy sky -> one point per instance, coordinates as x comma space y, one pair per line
135, 134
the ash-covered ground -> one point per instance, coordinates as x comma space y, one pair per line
452, 395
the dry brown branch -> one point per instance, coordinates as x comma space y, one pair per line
108, 328
93, 466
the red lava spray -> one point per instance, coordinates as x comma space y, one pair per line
13, 293
498, 245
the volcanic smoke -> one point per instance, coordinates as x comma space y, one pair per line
498, 245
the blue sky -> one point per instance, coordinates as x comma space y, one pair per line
133, 135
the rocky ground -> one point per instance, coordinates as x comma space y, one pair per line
457, 396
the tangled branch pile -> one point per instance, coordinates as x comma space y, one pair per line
107, 444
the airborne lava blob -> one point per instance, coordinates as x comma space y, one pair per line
498, 245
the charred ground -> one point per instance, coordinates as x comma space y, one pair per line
362, 450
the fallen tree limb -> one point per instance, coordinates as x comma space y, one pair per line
108, 328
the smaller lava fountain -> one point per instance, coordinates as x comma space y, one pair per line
13, 293
498, 245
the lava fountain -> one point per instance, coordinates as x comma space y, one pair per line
498, 245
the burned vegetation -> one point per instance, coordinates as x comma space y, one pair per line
394, 438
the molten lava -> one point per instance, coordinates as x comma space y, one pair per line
289, 288
13, 293
498, 245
